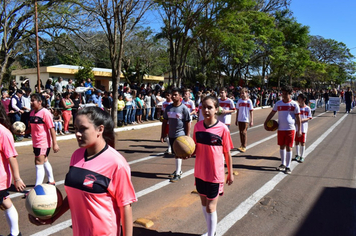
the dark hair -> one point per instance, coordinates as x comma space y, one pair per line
302, 96
214, 99
287, 89
4, 119
99, 117
223, 89
175, 89
37, 97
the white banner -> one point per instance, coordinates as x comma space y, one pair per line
334, 104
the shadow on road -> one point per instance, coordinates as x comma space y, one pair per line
139, 140
150, 175
250, 157
334, 213
146, 232
262, 168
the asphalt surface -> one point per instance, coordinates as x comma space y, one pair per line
318, 198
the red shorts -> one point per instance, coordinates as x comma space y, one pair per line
301, 139
286, 137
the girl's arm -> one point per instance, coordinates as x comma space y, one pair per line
54, 140
126, 220
228, 161
19, 184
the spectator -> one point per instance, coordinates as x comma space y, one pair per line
26, 107
58, 86
5, 100
67, 105
70, 86
147, 101
49, 85
12, 88
88, 93
107, 102
58, 121
128, 106
77, 102
41, 87
120, 110
153, 105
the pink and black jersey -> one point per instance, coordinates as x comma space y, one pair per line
305, 113
211, 144
41, 122
244, 107
96, 188
226, 104
7, 150
286, 114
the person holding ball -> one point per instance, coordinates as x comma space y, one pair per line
98, 184
213, 144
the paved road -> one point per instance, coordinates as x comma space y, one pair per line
316, 199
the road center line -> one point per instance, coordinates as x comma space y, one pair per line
228, 221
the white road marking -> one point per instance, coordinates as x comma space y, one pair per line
67, 223
228, 221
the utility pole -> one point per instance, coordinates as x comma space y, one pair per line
37, 51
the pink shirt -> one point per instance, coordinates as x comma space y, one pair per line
96, 188
211, 143
41, 122
7, 150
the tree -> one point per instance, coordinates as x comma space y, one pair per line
17, 25
117, 18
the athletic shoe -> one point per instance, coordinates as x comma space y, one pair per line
301, 160
281, 167
242, 149
168, 151
288, 171
66, 132
175, 178
297, 158
174, 173
15, 235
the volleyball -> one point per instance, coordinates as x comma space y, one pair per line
183, 146
19, 127
220, 111
43, 201
272, 125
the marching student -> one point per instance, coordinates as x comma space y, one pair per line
244, 117
9, 169
288, 116
228, 107
177, 117
42, 132
165, 104
305, 116
98, 184
189, 103
213, 145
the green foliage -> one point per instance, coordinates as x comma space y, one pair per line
84, 72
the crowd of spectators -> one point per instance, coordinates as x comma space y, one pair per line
136, 103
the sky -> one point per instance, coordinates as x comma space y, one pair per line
331, 19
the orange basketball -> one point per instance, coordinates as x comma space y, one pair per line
183, 146
272, 125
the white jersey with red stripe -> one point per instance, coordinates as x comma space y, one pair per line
226, 104
200, 108
305, 113
190, 104
286, 114
244, 106
165, 104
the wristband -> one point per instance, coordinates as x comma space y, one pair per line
17, 179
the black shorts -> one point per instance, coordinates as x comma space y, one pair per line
40, 151
171, 141
208, 189
3, 195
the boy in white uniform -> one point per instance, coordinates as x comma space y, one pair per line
244, 117
228, 107
288, 116
305, 116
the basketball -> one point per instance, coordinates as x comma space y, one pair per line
272, 125
43, 201
19, 127
183, 146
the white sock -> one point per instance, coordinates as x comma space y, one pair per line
12, 218
302, 151
282, 153
212, 223
178, 166
49, 171
297, 150
40, 173
288, 159
169, 145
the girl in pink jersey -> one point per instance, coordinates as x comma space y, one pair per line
213, 144
8, 165
98, 184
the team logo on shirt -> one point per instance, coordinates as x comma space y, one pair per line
89, 181
174, 115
